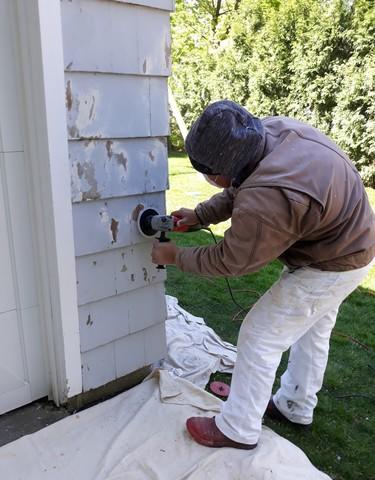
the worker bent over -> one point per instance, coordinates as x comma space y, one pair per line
291, 194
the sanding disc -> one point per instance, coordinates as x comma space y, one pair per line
220, 388
144, 226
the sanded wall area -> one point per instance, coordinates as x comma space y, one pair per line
117, 62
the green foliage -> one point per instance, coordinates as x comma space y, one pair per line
309, 59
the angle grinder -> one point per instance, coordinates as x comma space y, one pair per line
151, 223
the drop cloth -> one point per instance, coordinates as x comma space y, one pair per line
195, 351
140, 435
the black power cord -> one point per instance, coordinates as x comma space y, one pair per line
243, 309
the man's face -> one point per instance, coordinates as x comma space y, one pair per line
218, 181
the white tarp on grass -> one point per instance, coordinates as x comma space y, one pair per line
195, 351
141, 435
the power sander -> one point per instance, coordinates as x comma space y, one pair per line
150, 223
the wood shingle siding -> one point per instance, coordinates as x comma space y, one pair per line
109, 224
120, 270
117, 62
103, 169
116, 38
116, 106
130, 312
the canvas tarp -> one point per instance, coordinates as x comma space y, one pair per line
141, 435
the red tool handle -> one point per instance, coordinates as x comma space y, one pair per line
182, 228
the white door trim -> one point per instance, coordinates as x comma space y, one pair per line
41, 50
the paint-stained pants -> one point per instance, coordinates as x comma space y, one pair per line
299, 311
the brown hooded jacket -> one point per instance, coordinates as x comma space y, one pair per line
304, 204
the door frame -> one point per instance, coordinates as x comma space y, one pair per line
46, 148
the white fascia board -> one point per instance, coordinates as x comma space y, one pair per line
168, 5
43, 80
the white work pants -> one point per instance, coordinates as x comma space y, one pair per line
299, 311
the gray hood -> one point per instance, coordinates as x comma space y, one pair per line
226, 139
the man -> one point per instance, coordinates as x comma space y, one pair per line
291, 194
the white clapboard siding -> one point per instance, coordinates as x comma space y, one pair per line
141, 348
123, 356
162, 4
116, 106
117, 60
101, 225
105, 274
98, 366
109, 168
115, 317
99, 28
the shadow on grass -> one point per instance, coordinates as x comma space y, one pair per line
341, 440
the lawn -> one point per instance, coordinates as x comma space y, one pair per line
341, 442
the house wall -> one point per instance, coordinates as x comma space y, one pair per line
117, 60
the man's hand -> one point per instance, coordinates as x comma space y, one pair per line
164, 253
186, 217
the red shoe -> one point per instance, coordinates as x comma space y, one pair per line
205, 432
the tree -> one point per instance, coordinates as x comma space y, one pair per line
311, 59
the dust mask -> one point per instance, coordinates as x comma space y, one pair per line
210, 181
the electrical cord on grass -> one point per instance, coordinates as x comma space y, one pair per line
243, 309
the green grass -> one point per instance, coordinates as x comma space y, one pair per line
341, 442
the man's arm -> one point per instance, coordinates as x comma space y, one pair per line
265, 223
217, 209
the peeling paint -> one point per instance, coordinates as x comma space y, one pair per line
124, 268
108, 146
121, 160
94, 262
80, 170
91, 114
91, 194
114, 230
137, 211
145, 274
73, 132
69, 66
68, 96
104, 217
145, 66
120, 167
88, 171
89, 321
167, 51
123, 255
132, 277
83, 110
